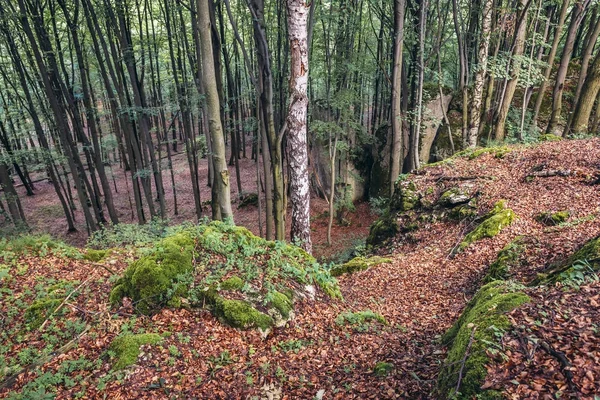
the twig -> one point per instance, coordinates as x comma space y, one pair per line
464, 360
564, 362
64, 301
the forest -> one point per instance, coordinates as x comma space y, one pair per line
299, 199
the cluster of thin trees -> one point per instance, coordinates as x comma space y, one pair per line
90, 88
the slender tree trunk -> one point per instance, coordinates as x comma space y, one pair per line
298, 12
482, 57
589, 94
397, 153
220, 189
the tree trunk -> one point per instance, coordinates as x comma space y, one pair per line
482, 57
220, 189
296, 121
589, 93
397, 153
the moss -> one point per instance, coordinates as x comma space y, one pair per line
127, 348
282, 303
149, 280
494, 222
95, 255
240, 314
552, 218
405, 196
550, 138
464, 211
358, 264
507, 259
589, 252
39, 311
232, 283
483, 319
359, 318
497, 152
383, 369
381, 230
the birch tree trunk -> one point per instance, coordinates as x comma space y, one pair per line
298, 12
484, 44
220, 186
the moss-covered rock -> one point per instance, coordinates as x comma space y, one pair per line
127, 348
508, 258
405, 197
550, 138
482, 322
561, 271
496, 220
282, 303
359, 318
149, 281
497, 152
384, 228
456, 195
359, 263
463, 211
241, 314
95, 255
552, 218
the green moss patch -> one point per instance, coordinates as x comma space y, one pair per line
150, 281
246, 281
127, 348
360, 321
496, 220
508, 258
359, 264
552, 218
383, 369
95, 255
482, 323
497, 152
550, 138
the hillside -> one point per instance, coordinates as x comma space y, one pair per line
414, 324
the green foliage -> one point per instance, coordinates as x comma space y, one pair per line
120, 235
585, 262
496, 220
127, 348
379, 205
36, 245
359, 263
481, 324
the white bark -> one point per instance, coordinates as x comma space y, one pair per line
298, 12
484, 45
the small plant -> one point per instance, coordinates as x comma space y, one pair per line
382, 369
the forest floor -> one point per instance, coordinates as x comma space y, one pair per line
45, 214
420, 293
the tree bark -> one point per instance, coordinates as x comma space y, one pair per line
220, 189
